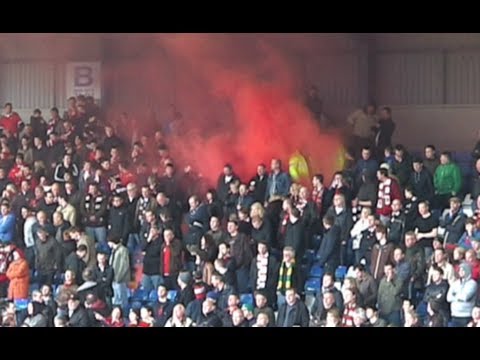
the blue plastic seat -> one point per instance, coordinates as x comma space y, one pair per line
21, 304
136, 305
140, 295
340, 272
247, 299
153, 296
313, 285
316, 271
34, 286
172, 294
309, 256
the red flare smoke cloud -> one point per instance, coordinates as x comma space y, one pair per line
242, 99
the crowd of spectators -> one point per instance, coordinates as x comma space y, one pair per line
98, 231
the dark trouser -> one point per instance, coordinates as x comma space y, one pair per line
359, 142
344, 255
460, 321
273, 212
242, 279
170, 282
30, 256
441, 202
393, 318
45, 278
3, 289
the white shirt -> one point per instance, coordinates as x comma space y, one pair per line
28, 231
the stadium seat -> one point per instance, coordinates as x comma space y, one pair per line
309, 257
340, 272
21, 304
153, 296
172, 294
140, 295
316, 271
247, 299
313, 285
58, 279
136, 305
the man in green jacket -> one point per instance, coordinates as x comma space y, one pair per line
447, 181
120, 262
389, 296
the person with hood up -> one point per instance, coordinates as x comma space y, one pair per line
36, 316
462, 296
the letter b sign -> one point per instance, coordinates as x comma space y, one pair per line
83, 76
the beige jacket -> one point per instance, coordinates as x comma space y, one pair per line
69, 214
362, 123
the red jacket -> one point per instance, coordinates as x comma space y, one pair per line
14, 175
475, 270
388, 191
127, 178
11, 122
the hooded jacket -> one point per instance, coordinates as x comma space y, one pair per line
462, 294
19, 275
447, 179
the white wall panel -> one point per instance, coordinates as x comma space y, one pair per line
336, 77
463, 78
410, 78
27, 85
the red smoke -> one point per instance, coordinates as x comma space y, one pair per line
242, 100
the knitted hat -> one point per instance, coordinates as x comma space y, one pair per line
185, 277
248, 307
212, 295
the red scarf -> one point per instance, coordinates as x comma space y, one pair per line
317, 198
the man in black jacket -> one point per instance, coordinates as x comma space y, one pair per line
437, 291
103, 275
329, 253
262, 230
118, 221
402, 166
185, 294
222, 290
328, 286
48, 257
131, 204
258, 184
224, 181
241, 251
94, 214
151, 248
77, 315
208, 317
76, 264
384, 131
295, 235
396, 224
453, 222
293, 313
264, 273
163, 309
421, 181
343, 219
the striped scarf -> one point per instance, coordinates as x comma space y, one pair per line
285, 277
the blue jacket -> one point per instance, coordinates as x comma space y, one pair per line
282, 188
370, 165
7, 227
